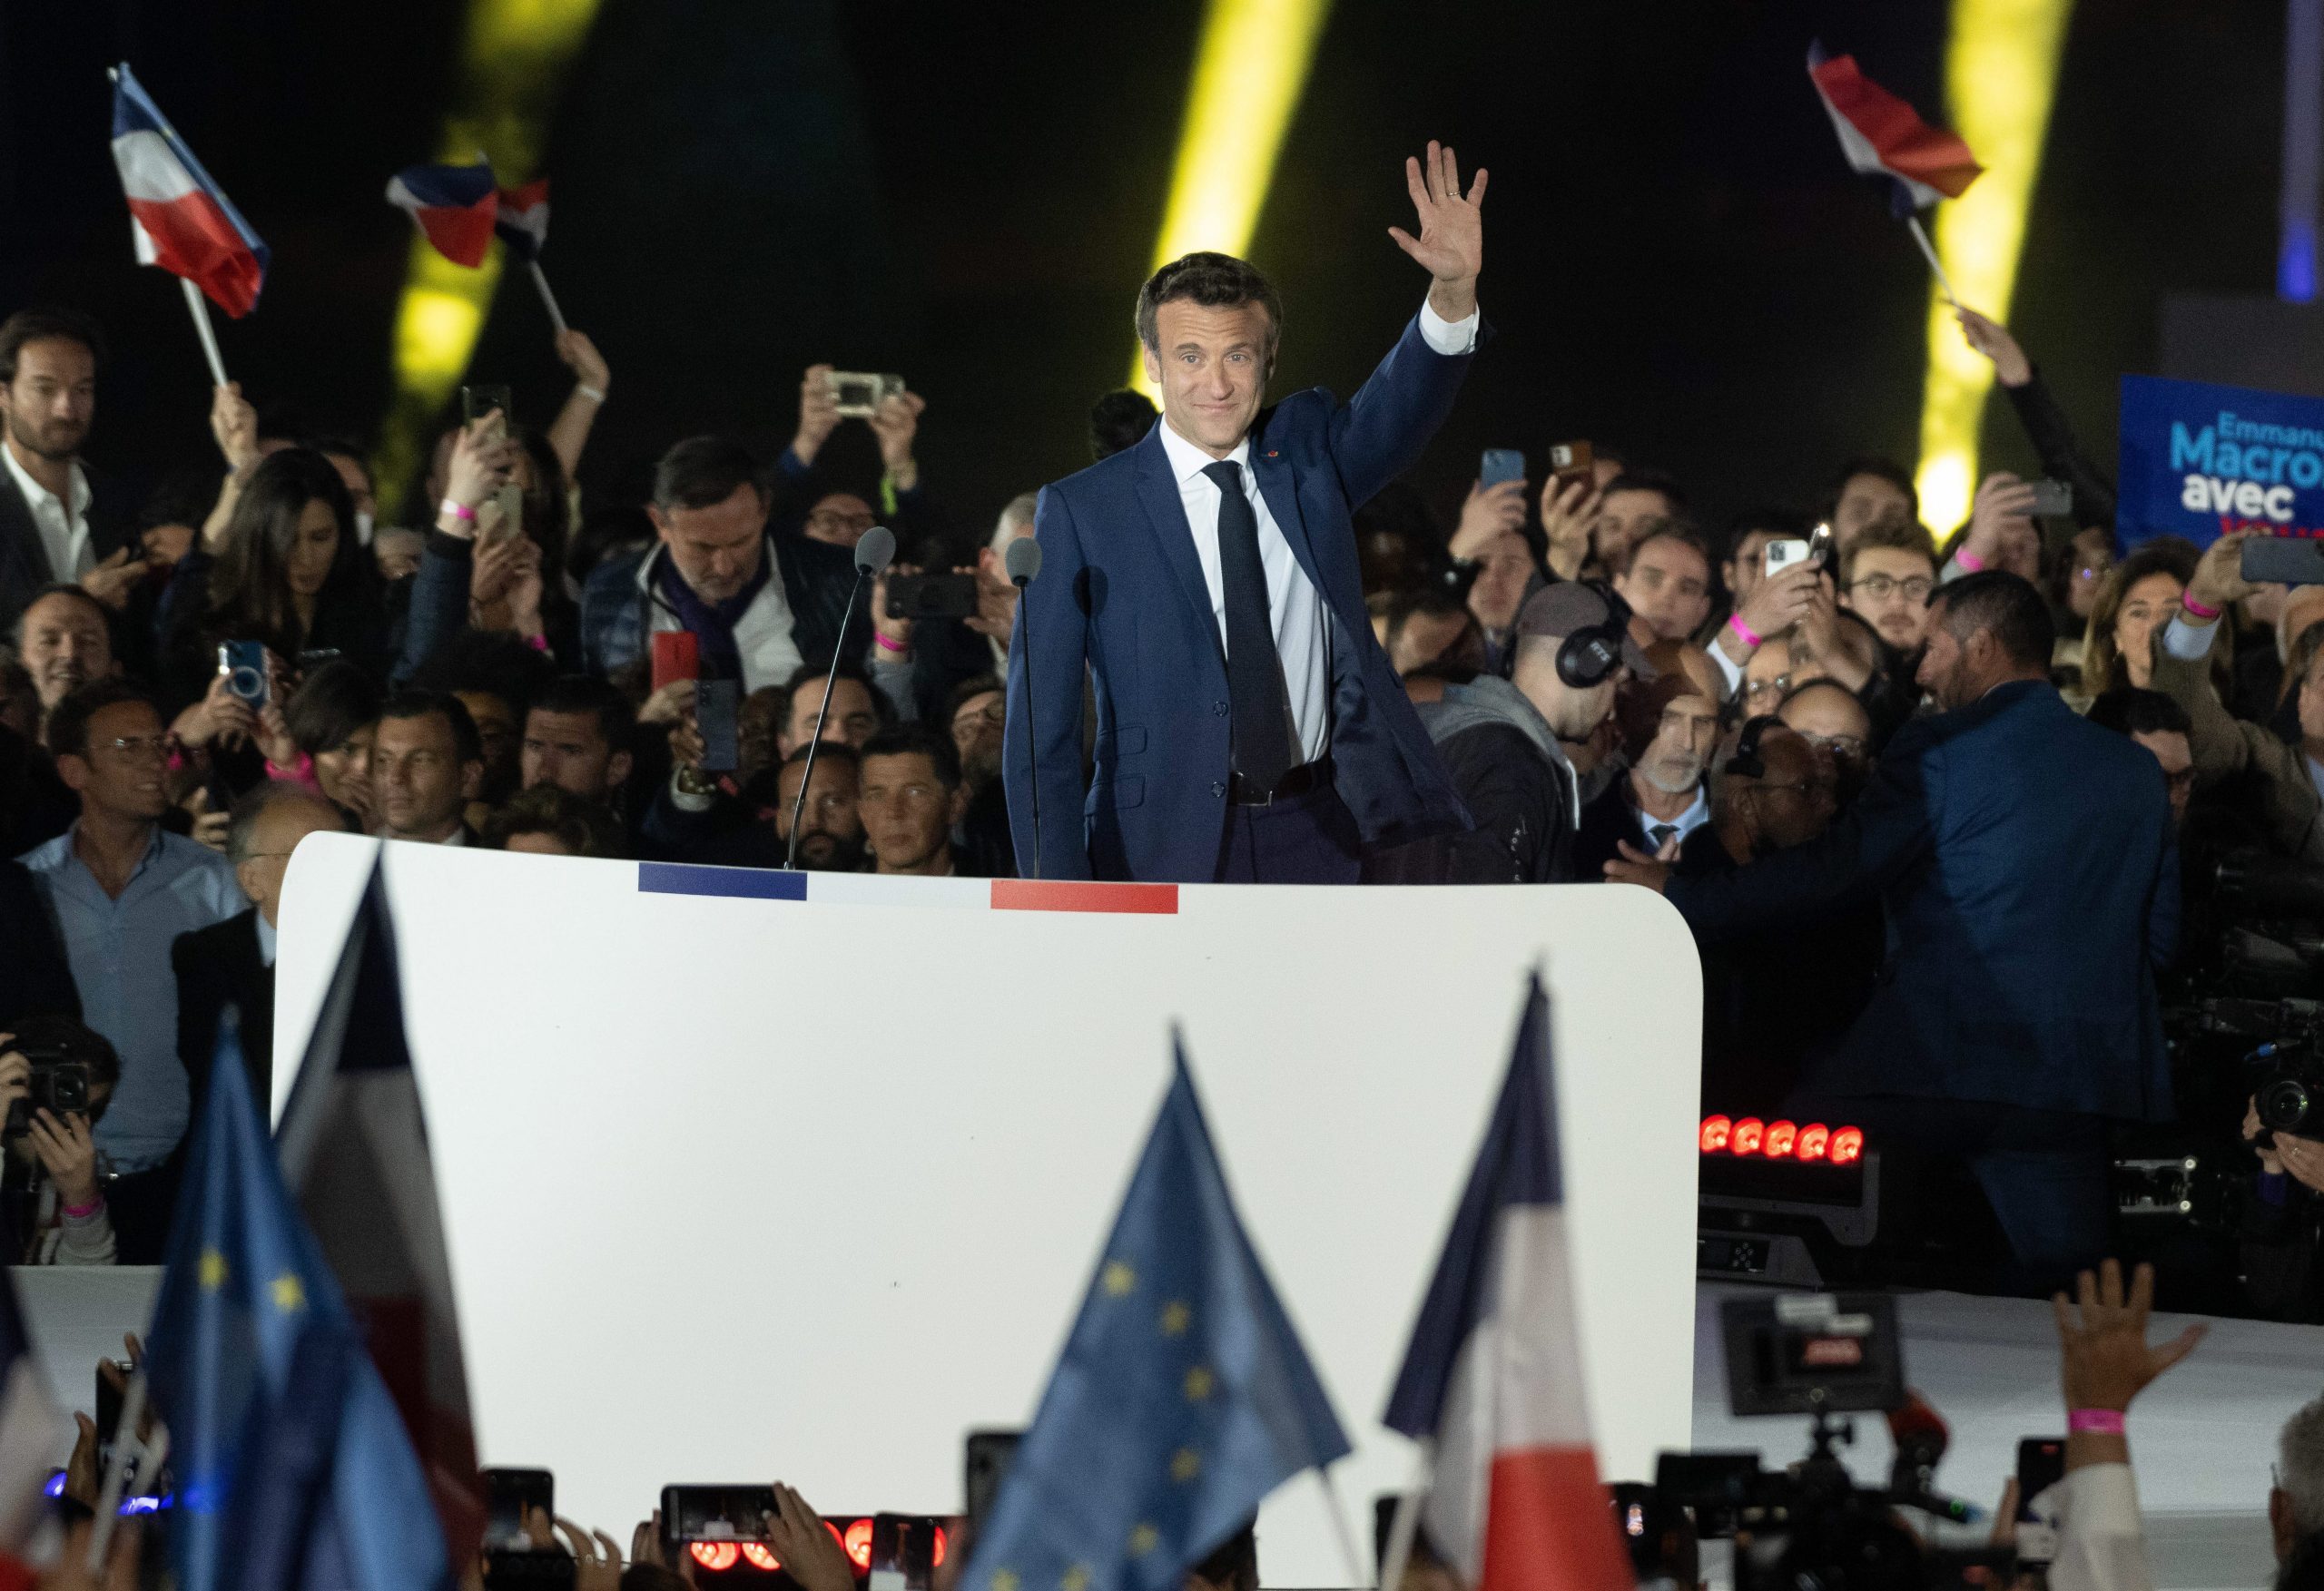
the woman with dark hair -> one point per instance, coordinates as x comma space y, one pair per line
288, 572
2134, 601
321, 737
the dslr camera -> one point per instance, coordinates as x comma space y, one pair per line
58, 1084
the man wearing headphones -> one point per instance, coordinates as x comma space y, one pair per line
1508, 743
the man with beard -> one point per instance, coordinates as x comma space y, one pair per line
979, 709
58, 522
2029, 875
1668, 728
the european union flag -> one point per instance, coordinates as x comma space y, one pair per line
293, 1470
1182, 1396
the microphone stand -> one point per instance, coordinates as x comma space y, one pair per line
807, 774
1033, 740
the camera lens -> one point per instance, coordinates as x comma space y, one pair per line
247, 684
2284, 1105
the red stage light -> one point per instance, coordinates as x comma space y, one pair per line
1814, 1139
1715, 1131
716, 1555
1847, 1146
759, 1557
1748, 1133
1781, 1136
835, 1535
858, 1542
939, 1546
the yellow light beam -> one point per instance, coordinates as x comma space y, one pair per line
513, 56
1249, 68
2001, 73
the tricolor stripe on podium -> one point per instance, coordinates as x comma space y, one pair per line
871, 890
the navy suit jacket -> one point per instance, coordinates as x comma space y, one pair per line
1121, 593
2029, 875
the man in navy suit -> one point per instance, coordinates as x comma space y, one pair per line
2027, 865
1250, 727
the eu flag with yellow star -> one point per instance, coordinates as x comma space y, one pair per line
293, 1469
1182, 1396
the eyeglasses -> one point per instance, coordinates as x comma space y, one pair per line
1915, 587
2094, 572
132, 747
1778, 686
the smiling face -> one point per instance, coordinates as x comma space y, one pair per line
1212, 366
66, 645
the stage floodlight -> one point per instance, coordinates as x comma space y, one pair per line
513, 54
1249, 67
2001, 70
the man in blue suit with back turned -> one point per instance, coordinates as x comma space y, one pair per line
2027, 863
1249, 728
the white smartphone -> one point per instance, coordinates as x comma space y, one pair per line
1783, 555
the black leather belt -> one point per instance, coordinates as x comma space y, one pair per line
1297, 781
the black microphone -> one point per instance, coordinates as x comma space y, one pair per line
872, 555
1022, 559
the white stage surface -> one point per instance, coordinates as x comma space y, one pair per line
2202, 1437
742, 1186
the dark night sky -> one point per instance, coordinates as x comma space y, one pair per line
1677, 263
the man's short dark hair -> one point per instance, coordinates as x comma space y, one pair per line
1646, 479
1234, 1562
1904, 536
2010, 607
490, 662
763, 791
1781, 524
582, 827
702, 472
909, 740
80, 1042
2129, 711
68, 721
969, 690
586, 693
1874, 465
1118, 420
809, 672
1215, 282
34, 325
468, 746
334, 701
1678, 528
62, 588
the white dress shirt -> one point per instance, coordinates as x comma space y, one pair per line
1295, 607
1686, 822
64, 526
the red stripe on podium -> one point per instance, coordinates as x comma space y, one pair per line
1037, 894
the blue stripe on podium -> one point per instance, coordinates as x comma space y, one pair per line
749, 883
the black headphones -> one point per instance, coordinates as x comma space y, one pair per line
1746, 762
1591, 654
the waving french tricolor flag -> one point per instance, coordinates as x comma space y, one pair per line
1882, 136
183, 221
522, 221
1494, 1374
455, 206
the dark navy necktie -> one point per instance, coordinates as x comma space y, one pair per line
1261, 707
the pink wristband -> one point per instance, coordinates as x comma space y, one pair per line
459, 511
302, 772
82, 1211
538, 643
1743, 631
1969, 561
888, 645
2197, 609
2097, 1422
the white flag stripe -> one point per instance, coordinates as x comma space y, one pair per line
1862, 157
150, 168
30, 1433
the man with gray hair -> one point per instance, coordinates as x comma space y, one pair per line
231, 964
918, 663
2296, 1501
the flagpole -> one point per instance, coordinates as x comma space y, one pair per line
125, 1440
540, 280
1920, 236
1406, 1524
203, 329
1356, 1578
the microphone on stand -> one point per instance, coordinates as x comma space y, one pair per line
1022, 560
1921, 1436
872, 555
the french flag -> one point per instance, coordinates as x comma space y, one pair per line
522, 221
1882, 136
1494, 1374
183, 221
456, 207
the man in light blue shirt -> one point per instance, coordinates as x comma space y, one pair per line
121, 889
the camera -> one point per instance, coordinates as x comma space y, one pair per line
858, 393
58, 1085
243, 662
2292, 1099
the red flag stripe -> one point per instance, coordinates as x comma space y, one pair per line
191, 236
1040, 895
1549, 1525
1906, 145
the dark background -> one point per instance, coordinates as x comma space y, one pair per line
1679, 264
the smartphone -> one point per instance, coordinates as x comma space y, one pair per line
715, 1513
717, 709
2051, 499
1570, 461
109, 1409
1783, 555
475, 402
903, 1553
677, 655
1499, 465
2284, 560
986, 1456
508, 514
931, 597
858, 393
509, 1495
2040, 1465
243, 662
1819, 546
509, 1568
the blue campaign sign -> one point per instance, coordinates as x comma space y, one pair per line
2200, 460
